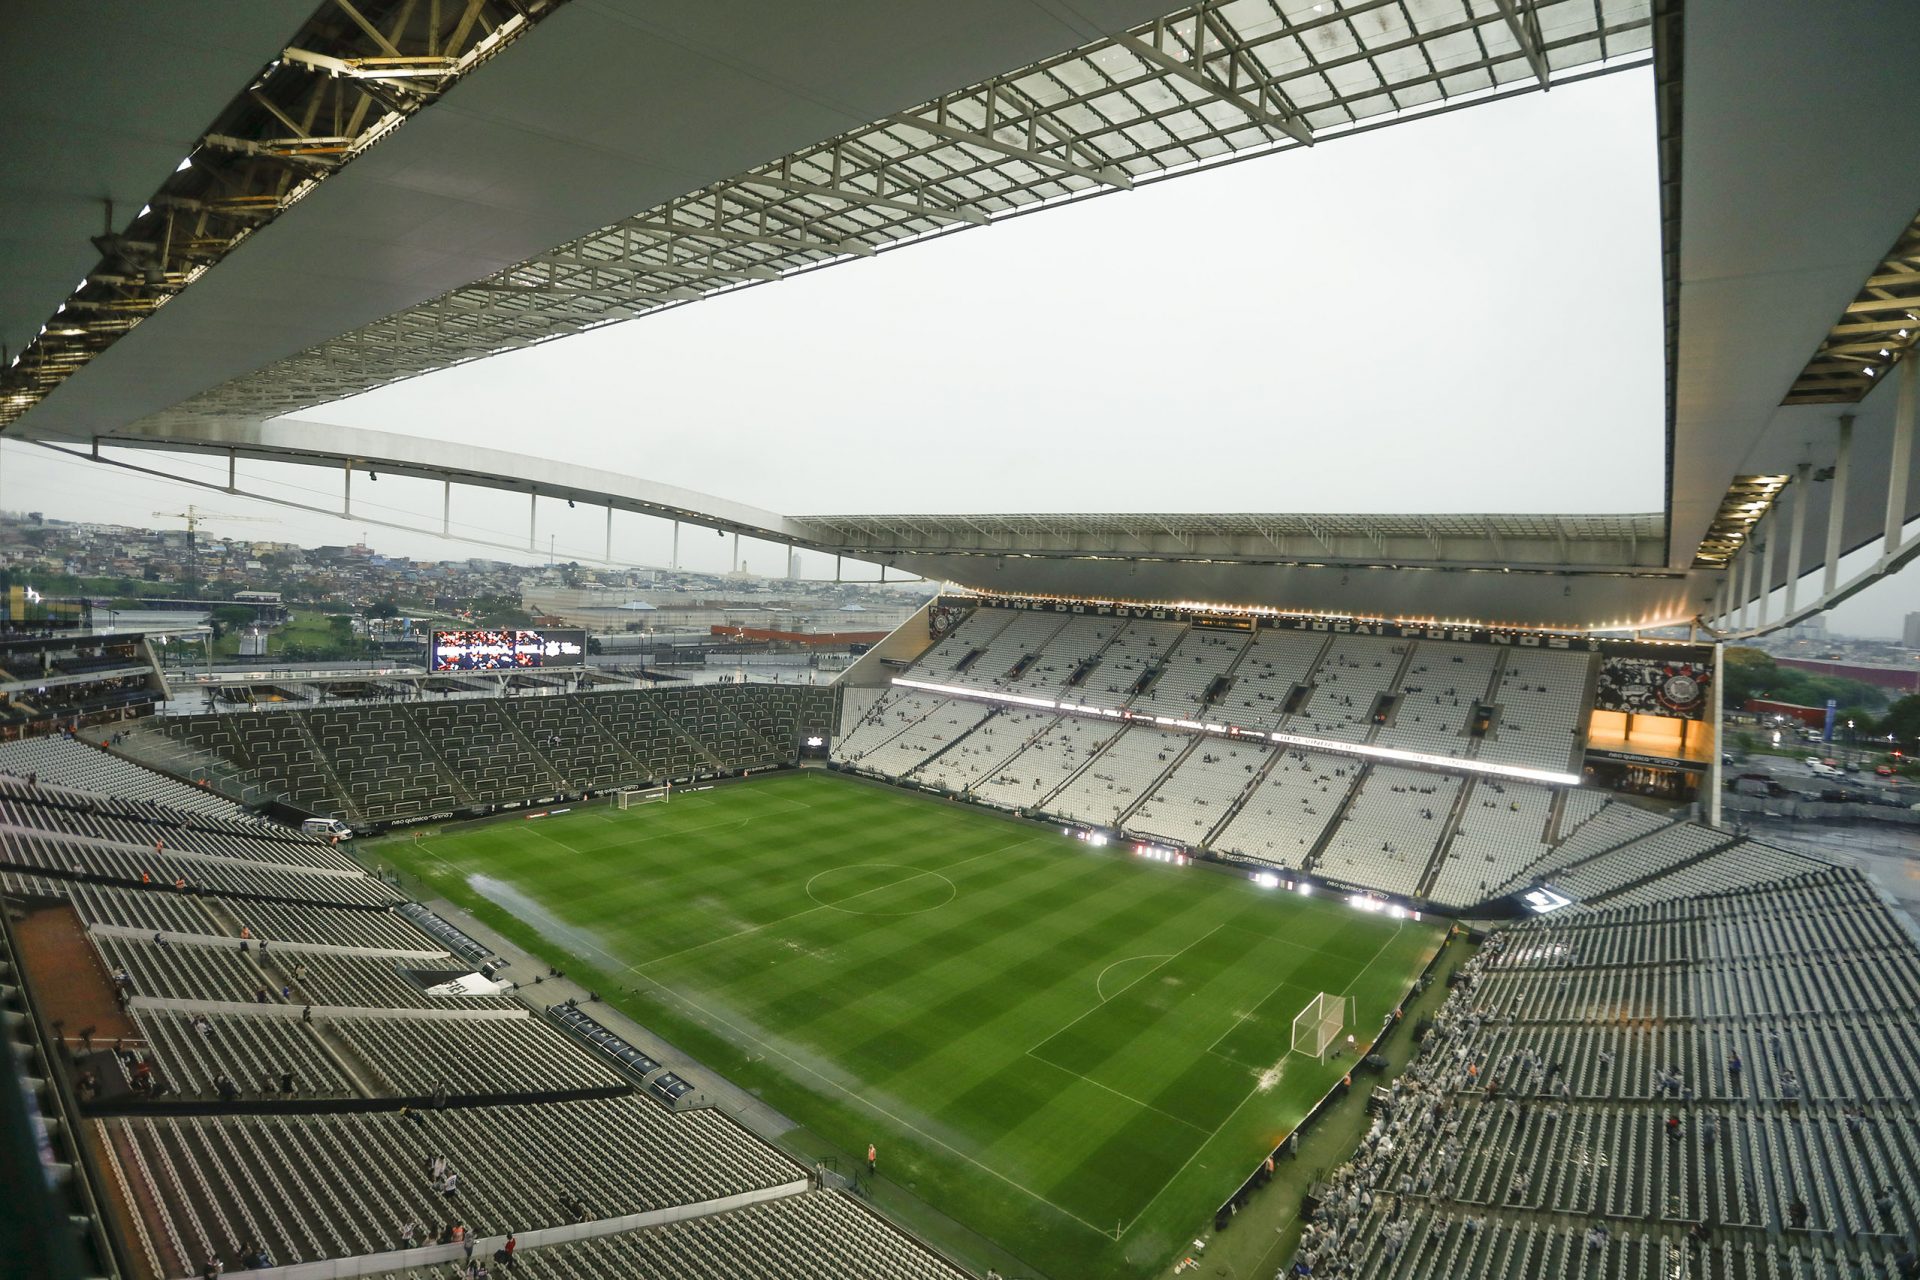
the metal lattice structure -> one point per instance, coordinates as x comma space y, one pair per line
1878, 330
347, 79
1208, 84
1617, 540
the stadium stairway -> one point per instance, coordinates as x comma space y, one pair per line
1327, 833
1145, 792
1443, 848
949, 744
1246, 792
351, 810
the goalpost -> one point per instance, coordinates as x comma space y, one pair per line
1317, 1028
644, 795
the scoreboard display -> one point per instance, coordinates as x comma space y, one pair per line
507, 650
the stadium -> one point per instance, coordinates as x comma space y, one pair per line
1212, 892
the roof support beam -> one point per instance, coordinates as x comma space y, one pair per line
1194, 75
857, 197
1837, 506
1107, 176
681, 230
638, 267
1525, 25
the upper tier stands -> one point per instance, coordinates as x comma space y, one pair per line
1350, 678
1443, 683
1138, 652
272, 1034
999, 654
1200, 658
1275, 663
1542, 699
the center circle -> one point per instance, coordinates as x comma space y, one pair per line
880, 889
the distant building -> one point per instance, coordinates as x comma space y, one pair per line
1899, 679
1911, 635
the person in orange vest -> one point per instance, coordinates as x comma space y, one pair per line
145, 878
873, 1159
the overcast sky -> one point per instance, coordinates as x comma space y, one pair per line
1458, 314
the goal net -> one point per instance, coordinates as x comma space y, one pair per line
1317, 1028
644, 795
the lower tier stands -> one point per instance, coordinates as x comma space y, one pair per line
1284, 817
1502, 830
264, 1047
1712, 1084
63, 761
821, 1235
1393, 824
412, 760
309, 1187
1120, 776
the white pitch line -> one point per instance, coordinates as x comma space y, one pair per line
1172, 955
1116, 1093
868, 1103
1251, 1094
1153, 955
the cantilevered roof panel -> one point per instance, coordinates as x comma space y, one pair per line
876, 147
100, 100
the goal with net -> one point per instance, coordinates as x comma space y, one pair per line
645, 795
1317, 1028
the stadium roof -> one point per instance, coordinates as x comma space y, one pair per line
512, 202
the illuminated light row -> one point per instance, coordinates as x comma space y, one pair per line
1160, 853
1449, 764
1235, 611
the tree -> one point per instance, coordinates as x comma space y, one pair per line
1902, 721
229, 617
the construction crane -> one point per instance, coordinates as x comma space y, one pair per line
195, 517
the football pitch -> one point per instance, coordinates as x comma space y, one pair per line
1074, 1051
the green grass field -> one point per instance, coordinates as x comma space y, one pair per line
1076, 1052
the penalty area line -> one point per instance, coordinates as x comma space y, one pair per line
1251, 1095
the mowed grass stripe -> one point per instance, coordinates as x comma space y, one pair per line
914, 1030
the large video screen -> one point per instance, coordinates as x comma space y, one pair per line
1675, 682
507, 650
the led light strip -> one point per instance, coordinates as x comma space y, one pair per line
1425, 760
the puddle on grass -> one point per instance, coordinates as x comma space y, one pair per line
582, 942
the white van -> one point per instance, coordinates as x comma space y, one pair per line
325, 827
